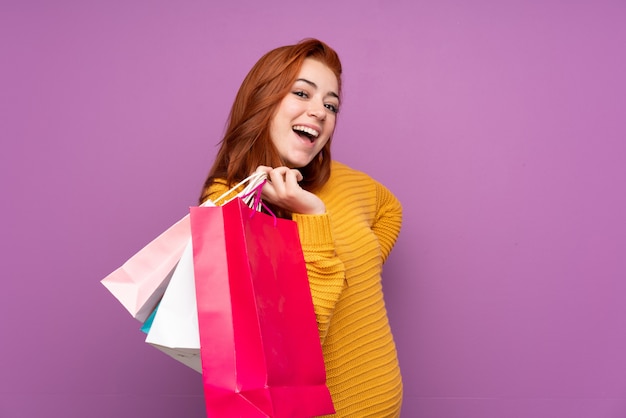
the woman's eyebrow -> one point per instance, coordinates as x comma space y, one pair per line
312, 84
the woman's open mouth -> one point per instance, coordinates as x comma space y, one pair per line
306, 132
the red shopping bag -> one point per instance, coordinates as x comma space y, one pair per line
260, 348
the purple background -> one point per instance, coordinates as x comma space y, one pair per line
499, 124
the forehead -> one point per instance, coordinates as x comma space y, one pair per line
318, 73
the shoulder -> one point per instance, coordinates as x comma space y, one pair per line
345, 179
340, 171
218, 189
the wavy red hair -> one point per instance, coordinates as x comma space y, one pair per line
247, 143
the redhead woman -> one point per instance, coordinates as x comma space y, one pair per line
282, 123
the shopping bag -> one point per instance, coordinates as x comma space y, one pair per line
141, 281
145, 327
260, 348
174, 327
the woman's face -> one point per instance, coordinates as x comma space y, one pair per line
305, 118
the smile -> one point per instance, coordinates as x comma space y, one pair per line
309, 133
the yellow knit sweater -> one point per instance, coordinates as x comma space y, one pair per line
344, 250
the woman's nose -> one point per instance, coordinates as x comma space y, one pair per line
317, 110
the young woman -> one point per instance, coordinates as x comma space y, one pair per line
281, 123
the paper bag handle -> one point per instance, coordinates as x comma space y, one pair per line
255, 182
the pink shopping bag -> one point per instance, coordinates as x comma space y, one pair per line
260, 348
141, 281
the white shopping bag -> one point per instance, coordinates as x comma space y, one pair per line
174, 328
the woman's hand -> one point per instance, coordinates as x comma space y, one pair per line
282, 189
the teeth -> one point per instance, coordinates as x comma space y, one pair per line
306, 130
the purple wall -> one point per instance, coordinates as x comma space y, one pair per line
500, 125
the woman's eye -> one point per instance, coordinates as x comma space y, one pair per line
331, 107
300, 93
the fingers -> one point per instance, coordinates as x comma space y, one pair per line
263, 169
299, 176
282, 189
276, 173
285, 175
282, 186
281, 180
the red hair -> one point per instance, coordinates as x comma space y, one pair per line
247, 143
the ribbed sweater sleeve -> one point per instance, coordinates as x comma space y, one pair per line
325, 270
